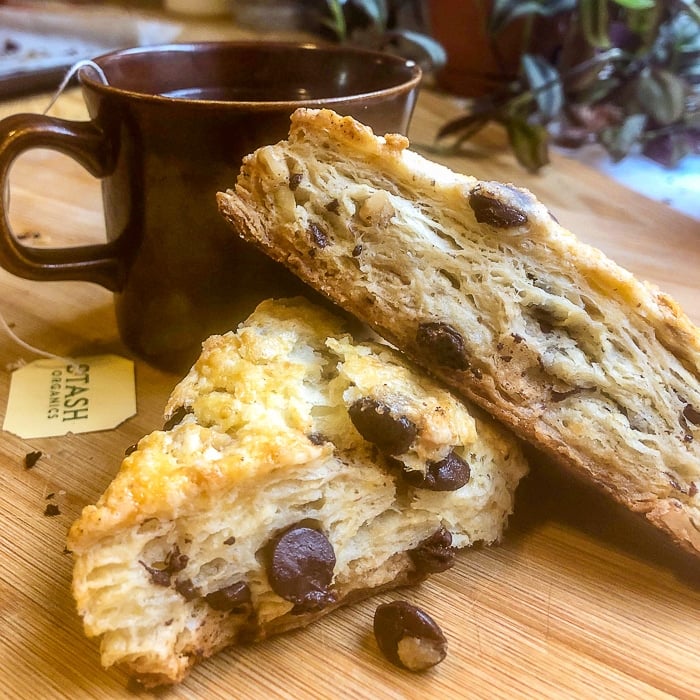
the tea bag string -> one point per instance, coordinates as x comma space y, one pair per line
3, 322
85, 63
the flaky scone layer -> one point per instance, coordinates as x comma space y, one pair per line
479, 284
261, 439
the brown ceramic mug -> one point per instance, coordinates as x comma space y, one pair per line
167, 131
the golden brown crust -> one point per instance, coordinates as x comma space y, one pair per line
557, 341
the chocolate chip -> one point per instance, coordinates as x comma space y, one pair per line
176, 561
356, 250
673, 481
132, 448
51, 510
176, 416
318, 235
333, 206
435, 553
160, 576
392, 434
161, 572
317, 438
488, 209
10, 46
300, 568
408, 636
445, 343
31, 458
448, 474
692, 415
295, 180
186, 589
233, 597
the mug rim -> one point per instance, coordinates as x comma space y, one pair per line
414, 73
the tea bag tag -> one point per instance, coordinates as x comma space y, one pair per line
51, 397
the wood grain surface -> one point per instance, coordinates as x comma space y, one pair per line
579, 600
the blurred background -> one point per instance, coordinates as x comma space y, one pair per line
613, 83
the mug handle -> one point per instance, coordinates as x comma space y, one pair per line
89, 146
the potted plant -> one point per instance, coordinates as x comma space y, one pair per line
621, 73
396, 26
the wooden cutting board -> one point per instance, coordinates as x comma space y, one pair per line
579, 601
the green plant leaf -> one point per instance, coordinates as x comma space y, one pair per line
543, 79
679, 45
597, 91
426, 45
594, 18
644, 23
463, 124
635, 4
530, 143
469, 131
661, 95
620, 140
503, 12
376, 10
336, 21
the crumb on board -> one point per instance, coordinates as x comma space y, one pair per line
31, 458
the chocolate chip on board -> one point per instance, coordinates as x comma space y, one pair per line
408, 636
300, 568
444, 343
488, 209
447, 474
31, 458
392, 434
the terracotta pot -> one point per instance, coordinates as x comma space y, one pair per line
476, 62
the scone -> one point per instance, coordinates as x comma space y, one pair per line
298, 470
479, 284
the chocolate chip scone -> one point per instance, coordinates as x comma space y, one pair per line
298, 470
478, 283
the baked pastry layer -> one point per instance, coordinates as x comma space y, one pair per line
478, 283
287, 435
